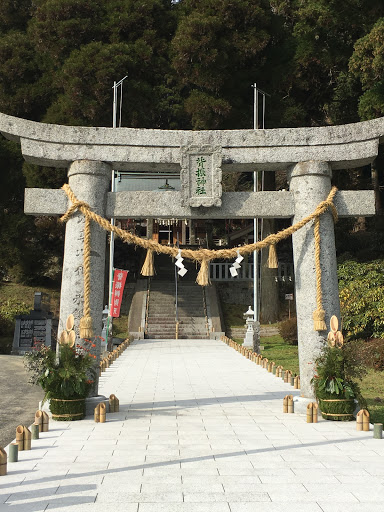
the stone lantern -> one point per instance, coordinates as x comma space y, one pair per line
104, 332
251, 339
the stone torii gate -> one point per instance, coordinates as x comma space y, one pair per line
310, 155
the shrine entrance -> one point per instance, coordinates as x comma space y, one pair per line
309, 155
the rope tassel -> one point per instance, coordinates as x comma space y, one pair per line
148, 269
86, 331
319, 320
203, 275
273, 262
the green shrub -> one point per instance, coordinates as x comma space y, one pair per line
288, 330
369, 352
361, 288
8, 310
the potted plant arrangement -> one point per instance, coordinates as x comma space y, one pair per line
66, 377
334, 384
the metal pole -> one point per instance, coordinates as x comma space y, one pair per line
255, 221
176, 285
262, 219
112, 235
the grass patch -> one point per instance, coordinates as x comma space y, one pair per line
24, 293
275, 349
120, 327
233, 314
372, 386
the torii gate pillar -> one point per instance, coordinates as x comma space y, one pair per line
89, 180
310, 183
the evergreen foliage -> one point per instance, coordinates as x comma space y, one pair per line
190, 64
362, 298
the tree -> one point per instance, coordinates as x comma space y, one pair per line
216, 51
321, 34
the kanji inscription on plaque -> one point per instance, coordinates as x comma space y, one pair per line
201, 176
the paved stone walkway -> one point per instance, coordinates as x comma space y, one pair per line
201, 429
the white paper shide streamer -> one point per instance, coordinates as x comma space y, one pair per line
236, 265
179, 263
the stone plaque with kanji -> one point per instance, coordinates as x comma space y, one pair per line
201, 176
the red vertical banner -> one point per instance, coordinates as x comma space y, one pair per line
119, 278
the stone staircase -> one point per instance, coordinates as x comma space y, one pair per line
162, 312
191, 314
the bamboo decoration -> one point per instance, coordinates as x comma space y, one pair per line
68, 336
287, 376
296, 382
96, 414
3, 462
290, 404
45, 422
315, 412
39, 420
35, 431
285, 404
283, 374
102, 412
265, 363
13, 452
27, 439
114, 404
335, 337
339, 339
362, 420
20, 437
310, 413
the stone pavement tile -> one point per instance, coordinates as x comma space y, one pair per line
325, 495
361, 479
162, 470
185, 487
127, 497
351, 507
118, 486
367, 494
36, 506
277, 507
309, 478
96, 507
184, 507
56, 501
4, 497
230, 497
243, 487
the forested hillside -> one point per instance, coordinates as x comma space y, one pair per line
190, 65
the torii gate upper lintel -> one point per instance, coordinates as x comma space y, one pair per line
309, 154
